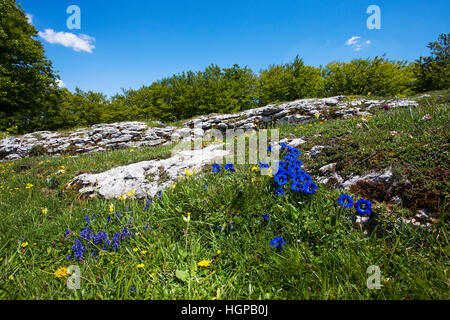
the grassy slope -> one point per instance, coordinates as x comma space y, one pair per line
319, 260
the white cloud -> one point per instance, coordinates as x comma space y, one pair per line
29, 18
355, 43
78, 43
353, 40
60, 83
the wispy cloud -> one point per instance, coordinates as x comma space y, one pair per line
81, 42
29, 18
60, 83
353, 40
356, 44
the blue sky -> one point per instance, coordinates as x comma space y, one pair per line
127, 44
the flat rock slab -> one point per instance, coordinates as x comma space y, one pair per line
147, 178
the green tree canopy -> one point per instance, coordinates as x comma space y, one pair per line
433, 72
28, 88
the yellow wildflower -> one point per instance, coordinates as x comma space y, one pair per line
24, 245
153, 274
11, 278
29, 186
140, 266
188, 217
219, 252
61, 272
41, 163
131, 193
144, 252
132, 150
204, 263
255, 168
122, 197
135, 250
111, 208
44, 211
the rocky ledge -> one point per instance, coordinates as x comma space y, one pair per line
104, 137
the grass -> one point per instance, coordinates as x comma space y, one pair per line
322, 259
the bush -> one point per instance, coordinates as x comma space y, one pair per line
360, 77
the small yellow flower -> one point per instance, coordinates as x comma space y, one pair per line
11, 278
310, 125
132, 150
122, 197
204, 263
131, 193
111, 208
140, 266
29, 186
188, 217
188, 173
41, 163
135, 250
255, 168
253, 180
219, 252
44, 211
153, 275
24, 245
61, 272
144, 252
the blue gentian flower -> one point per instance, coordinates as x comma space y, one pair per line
281, 179
216, 168
263, 165
364, 207
297, 186
345, 201
278, 243
309, 187
269, 149
265, 217
280, 191
230, 167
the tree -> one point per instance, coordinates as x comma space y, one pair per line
28, 89
378, 76
433, 72
289, 82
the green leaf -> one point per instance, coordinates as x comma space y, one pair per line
182, 275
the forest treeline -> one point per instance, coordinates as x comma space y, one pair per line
31, 100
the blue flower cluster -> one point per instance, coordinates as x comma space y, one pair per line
90, 241
278, 243
228, 167
290, 172
363, 207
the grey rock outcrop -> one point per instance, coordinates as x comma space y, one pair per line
104, 137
